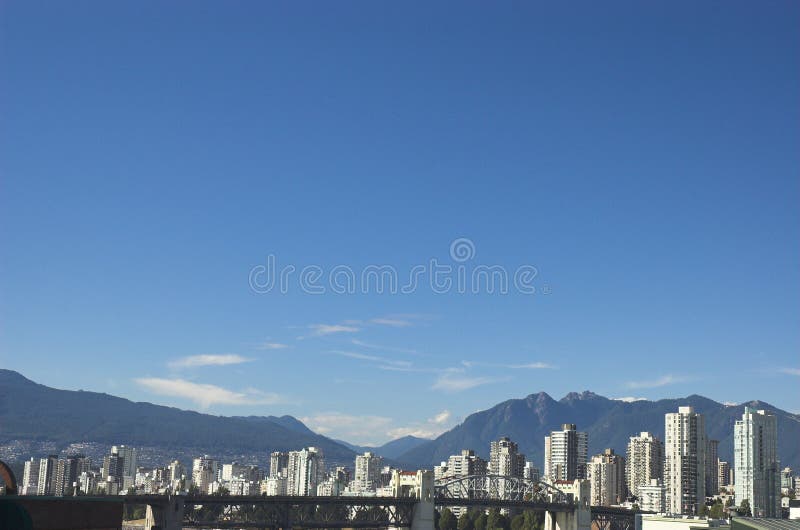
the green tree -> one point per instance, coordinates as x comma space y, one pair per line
496, 520
702, 510
448, 521
744, 508
635, 507
481, 522
518, 522
717, 511
465, 522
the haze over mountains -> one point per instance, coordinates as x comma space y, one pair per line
34, 415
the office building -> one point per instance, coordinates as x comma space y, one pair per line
367, 472
712, 469
305, 471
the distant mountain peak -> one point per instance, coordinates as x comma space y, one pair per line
583, 396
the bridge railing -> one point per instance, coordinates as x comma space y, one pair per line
501, 488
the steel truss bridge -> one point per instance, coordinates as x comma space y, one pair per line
480, 490
285, 512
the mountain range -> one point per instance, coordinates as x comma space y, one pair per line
35, 417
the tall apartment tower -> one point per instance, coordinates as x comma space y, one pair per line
47, 468
465, 464
645, 461
755, 453
723, 474
368, 472
305, 471
278, 462
685, 460
30, 477
712, 460
565, 454
606, 473
505, 458
129, 459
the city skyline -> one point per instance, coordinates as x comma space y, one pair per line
637, 164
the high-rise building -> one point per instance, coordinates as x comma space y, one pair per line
712, 459
30, 477
113, 465
505, 458
176, 473
278, 462
685, 461
723, 474
531, 472
644, 462
565, 454
606, 473
129, 463
305, 471
465, 464
755, 453
205, 472
368, 472
47, 468
65, 477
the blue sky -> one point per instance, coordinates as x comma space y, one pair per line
641, 156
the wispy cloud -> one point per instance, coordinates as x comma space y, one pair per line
372, 358
206, 395
664, 380
393, 322
451, 382
208, 360
790, 371
441, 418
373, 346
362, 430
520, 366
430, 429
271, 346
629, 399
329, 329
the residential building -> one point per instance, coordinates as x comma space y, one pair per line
712, 460
278, 462
723, 474
531, 472
644, 462
30, 477
305, 471
367, 472
755, 453
685, 461
129, 459
652, 497
607, 479
505, 458
47, 468
565, 454
205, 472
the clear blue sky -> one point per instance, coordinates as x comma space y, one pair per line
642, 156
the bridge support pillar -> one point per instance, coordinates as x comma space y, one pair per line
579, 519
165, 516
423, 518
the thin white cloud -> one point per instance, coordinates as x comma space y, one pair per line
208, 360
271, 346
450, 382
790, 371
664, 380
361, 430
373, 346
521, 366
329, 329
441, 418
206, 395
372, 358
630, 399
393, 322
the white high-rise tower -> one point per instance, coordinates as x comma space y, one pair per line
685, 460
755, 453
